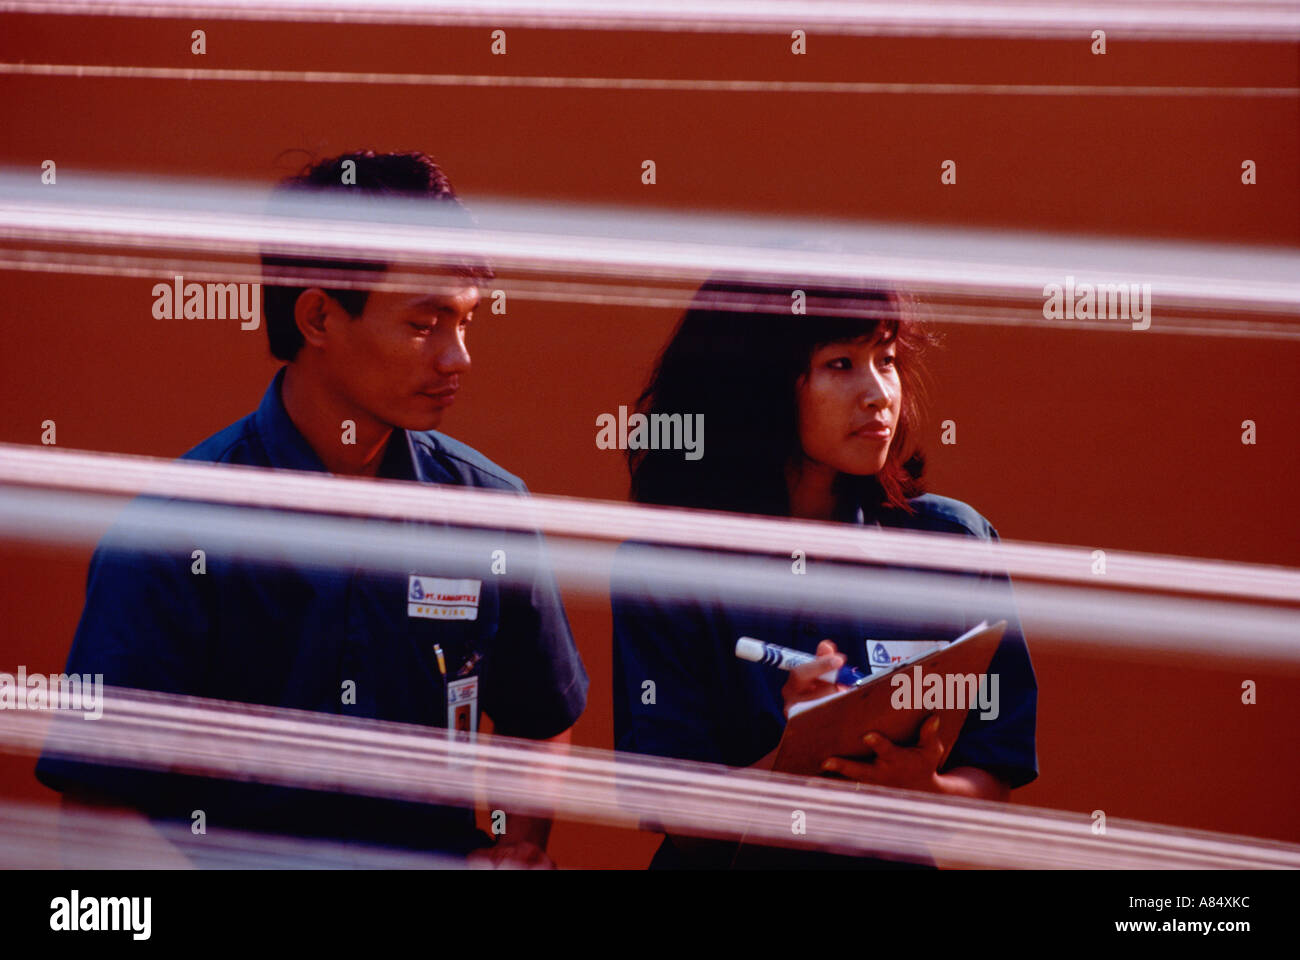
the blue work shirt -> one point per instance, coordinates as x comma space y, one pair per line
711, 706
291, 635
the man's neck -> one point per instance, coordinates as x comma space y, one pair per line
318, 413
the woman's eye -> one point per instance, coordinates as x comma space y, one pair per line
840, 363
889, 361
425, 328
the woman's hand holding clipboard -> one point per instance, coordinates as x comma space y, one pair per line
913, 713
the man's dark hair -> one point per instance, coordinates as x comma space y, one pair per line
384, 175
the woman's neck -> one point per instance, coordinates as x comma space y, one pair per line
812, 490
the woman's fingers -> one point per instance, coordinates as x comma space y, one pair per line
854, 770
805, 681
811, 672
828, 659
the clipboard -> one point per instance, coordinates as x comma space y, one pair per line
834, 726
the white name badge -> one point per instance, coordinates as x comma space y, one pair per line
462, 706
885, 655
438, 599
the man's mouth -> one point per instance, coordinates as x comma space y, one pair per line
446, 396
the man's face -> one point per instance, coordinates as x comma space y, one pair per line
401, 361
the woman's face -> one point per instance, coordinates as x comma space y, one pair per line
849, 404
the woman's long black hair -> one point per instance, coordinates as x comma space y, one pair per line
735, 358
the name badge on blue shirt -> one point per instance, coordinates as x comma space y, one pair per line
885, 655
437, 598
462, 707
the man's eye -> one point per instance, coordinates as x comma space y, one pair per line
889, 361
840, 363
423, 327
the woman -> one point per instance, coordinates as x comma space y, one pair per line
810, 401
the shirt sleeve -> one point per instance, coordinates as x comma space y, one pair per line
146, 624
534, 681
1004, 745
666, 694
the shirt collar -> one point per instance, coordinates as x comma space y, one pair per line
862, 516
287, 449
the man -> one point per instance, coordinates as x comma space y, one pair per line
367, 375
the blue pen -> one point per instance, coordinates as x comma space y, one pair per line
783, 658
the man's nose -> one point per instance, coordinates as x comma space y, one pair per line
453, 357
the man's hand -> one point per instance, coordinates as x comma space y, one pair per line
523, 855
805, 683
524, 847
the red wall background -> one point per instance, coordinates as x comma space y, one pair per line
1096, 439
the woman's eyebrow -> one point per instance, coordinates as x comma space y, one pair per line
865, 339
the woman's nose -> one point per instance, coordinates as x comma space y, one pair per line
874, 393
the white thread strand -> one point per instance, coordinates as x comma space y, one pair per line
202, 270
1165, 19
68, 470
924, 261
297, 748
661, 84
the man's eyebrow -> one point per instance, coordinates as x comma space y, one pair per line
438, 301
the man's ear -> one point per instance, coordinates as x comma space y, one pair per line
310, 312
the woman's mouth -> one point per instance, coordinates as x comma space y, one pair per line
873, 431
